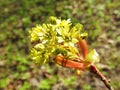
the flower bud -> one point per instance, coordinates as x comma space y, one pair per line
92, 57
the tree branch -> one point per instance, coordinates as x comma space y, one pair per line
94, 70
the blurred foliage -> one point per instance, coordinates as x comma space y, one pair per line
101, 19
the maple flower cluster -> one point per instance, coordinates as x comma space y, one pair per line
58, 38
64, 43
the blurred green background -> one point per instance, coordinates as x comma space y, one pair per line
100, 18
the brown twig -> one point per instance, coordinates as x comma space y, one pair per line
94, 70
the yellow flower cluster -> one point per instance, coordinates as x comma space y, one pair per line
56, 37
